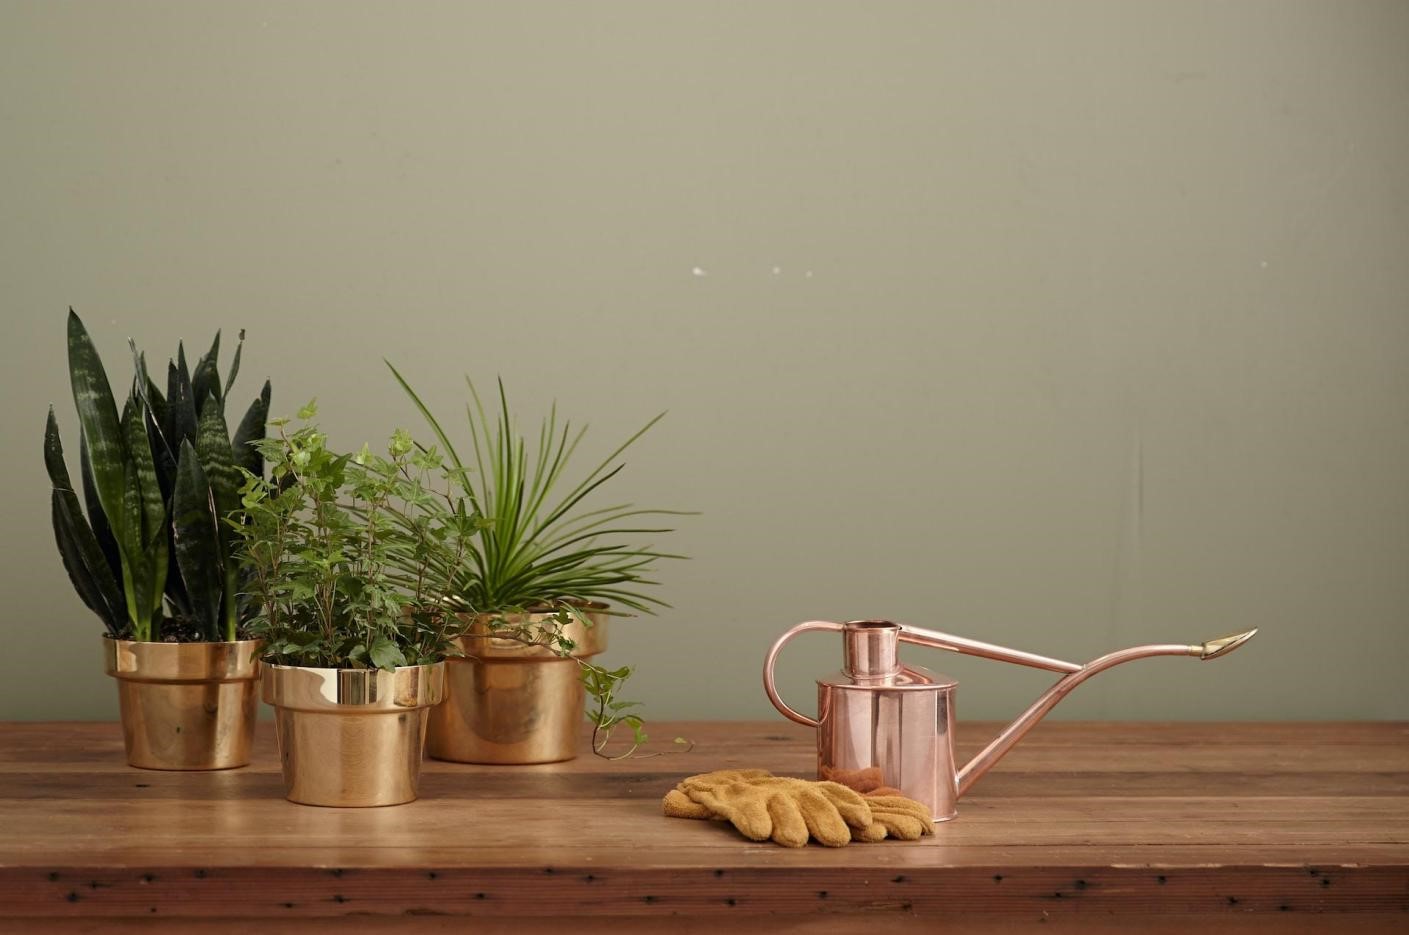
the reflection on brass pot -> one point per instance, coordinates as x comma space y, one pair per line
185, 705
509, 702
352, 737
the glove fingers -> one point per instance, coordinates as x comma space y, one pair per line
901, 805
854, 810
904, 827
870, 834
903, 817
823, 820
679, 805
790, 827
746, 809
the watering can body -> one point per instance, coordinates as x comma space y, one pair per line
883, 724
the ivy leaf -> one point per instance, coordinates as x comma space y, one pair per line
385, 654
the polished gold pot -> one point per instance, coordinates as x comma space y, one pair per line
508, 701
352, 737
185, 705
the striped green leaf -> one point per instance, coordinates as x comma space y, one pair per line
84, 562
54, 454
196, 534
234, 366
84, 559
251, 429
136, 567
180, 405
96, 518
97, 416
217, 460
139, 455
205, 379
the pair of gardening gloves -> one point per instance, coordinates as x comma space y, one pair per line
789, 811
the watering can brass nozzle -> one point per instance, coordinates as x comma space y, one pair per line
1221, 646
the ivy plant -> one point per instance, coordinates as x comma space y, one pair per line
346, 560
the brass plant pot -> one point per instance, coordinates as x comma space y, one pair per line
185, 705
352, 737
511, 702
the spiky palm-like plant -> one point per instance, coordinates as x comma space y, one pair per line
542, 546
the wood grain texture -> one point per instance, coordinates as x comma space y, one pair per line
1249, 827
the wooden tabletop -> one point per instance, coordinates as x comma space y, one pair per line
1246, 827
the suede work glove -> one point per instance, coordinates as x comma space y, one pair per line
789, 811
679, 805
902, 817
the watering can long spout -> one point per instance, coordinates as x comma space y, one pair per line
1075, 675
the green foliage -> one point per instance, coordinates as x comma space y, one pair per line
136, 558
541, 548
345, 551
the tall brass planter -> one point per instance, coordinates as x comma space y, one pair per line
352, 737
185, 705
509, 702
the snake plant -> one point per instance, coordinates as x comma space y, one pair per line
154, 555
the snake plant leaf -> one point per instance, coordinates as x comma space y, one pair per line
96, 518
176, 595
196, 534
251, 429
234, 366
136, 577
205, 379
97, 416
155, 415
84, 562
218, 462
140, 462
93, 572
180, 405
147, 552
54, 454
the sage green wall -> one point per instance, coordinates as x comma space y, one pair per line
1064, 325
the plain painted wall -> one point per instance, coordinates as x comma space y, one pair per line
1062, 325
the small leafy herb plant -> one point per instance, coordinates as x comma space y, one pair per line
346, 558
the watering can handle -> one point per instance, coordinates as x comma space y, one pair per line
768, 684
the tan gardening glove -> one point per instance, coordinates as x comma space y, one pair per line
787, 811
901, 816
679, 805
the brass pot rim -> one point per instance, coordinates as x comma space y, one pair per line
202, 661
479, 644
352, 691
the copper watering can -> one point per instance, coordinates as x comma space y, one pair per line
882, 723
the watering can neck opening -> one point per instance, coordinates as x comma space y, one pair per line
870, 650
